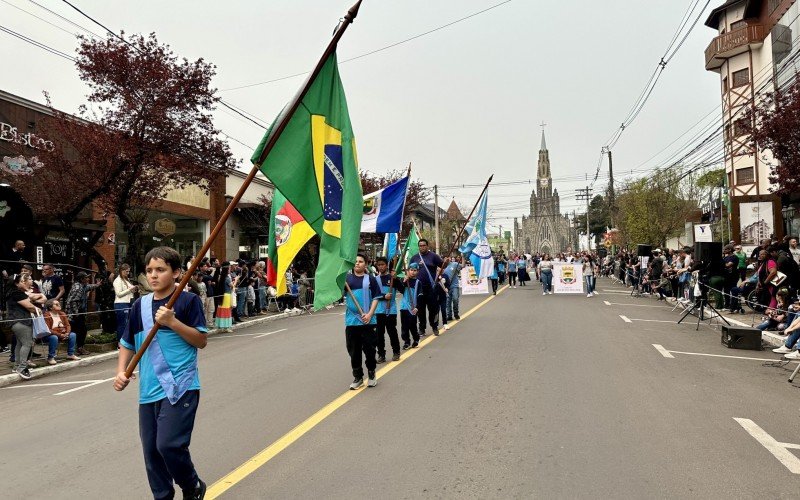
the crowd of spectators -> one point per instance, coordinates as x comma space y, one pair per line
66, 310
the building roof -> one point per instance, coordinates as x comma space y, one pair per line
751, 9
453, 212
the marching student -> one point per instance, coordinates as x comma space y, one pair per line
360, 324
429, 264
454, 294
387, 310
408, 308
169, 387
512, 270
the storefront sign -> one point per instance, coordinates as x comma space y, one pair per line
165, 227
31, 140
702, 233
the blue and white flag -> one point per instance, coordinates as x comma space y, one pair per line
390, 246
476, 248
383, 209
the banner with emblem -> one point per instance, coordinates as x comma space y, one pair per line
314, 165
287, 234
383, 209
567, 277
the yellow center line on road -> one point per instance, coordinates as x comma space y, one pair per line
271, 451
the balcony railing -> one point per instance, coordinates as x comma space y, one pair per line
733, 43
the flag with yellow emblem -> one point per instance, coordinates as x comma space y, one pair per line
314, 165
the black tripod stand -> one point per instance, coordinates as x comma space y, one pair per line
701, 305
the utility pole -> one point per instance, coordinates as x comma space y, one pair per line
585, 194
436, 217
611, 196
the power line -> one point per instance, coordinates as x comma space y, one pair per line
37, 44
395, 44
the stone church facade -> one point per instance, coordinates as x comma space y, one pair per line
545, 230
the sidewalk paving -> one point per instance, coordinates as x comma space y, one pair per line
43, 369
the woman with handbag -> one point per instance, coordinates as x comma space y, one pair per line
124, 292
58, 324
20, 309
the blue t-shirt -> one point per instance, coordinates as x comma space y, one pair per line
364, 297
428, 265
410, 295
179, 355
389, 306
512, 266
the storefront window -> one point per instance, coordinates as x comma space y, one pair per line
184, 234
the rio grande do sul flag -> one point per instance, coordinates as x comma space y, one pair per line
289, 231
313, 163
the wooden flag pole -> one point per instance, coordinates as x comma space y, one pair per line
352, 296
281, 123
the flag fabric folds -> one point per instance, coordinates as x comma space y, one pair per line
410, 249
390, 246
314, 165
288, 233
383, 209
476, 248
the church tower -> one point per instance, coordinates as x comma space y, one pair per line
545, 181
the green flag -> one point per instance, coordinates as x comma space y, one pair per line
410, 249
314, 165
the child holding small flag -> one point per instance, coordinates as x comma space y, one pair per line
386, 315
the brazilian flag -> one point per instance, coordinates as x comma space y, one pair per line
314, 165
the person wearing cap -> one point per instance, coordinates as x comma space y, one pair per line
77, 306
408, 307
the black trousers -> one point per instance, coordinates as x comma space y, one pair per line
166, 431
428, 305
501, 277
512, 278
494, 285
360, 338
78, 324
408, 327
387, 323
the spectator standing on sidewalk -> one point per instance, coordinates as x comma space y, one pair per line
224, 320
241, 289
58, 324
794, 250
546, 274
78, 305
52, 285
124, 292
20, 309
742, 265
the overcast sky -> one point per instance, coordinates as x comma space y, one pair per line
460, 104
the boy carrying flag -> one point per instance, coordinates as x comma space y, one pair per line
408, 307
360, 321
391, 286
169, 390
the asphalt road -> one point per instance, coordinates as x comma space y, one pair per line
527, 397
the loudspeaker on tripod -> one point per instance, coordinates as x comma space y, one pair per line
644, 250
736, 337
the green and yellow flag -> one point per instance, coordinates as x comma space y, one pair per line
314, 165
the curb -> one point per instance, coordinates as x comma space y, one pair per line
37, 373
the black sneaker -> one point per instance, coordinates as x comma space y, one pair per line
25, 374
198, 493
396, 357
458, 317
415, 345
435, 331
381, 359
371, 380
422, 334
406, 346
357, 382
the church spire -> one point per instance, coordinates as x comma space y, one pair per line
544, 144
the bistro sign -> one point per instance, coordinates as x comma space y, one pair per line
31, 140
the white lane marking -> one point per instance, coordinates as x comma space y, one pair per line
652, 320
96, 382
635, 305
74, 382
606, 302
625, 319
269, 333
663, 351
778, 450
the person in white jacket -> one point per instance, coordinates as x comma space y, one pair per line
124, 292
